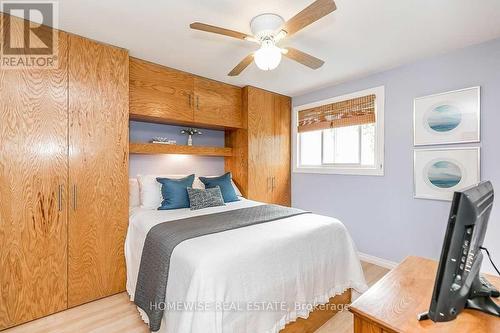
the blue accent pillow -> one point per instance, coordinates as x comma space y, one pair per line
225, 185
174, 192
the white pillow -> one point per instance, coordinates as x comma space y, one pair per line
134, 197
236, 189
150, 189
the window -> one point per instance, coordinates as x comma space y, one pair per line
343, 135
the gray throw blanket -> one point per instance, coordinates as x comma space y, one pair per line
164, 237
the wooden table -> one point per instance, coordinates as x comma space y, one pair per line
393, 303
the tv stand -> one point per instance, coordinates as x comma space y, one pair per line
393, 303
480, 297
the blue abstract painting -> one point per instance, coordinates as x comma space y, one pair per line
444, 174
444, 118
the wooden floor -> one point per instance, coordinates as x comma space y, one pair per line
116, 314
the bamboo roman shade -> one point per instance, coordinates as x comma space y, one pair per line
356, 111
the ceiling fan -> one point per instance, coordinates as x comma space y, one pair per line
269, 30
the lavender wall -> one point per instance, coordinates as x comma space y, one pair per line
174, 164
380, 212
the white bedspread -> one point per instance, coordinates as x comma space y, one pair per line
248, 280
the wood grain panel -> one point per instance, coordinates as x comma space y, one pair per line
33, 166
156, 148
237, 140
98, 169
159, 120
365, 326
217, 103
160, 92
261, 144
282, 151
394, 302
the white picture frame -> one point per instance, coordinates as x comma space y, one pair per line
447, 118
439, 172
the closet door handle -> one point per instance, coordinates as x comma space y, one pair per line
197, 102
190, 100
75, 199
59, 198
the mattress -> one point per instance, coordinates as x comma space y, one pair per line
253, 279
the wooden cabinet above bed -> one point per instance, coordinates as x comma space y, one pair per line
160, 93
217, 103
165, 95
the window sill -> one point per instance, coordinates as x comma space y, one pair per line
340, 171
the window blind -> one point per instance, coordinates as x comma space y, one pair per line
356, 111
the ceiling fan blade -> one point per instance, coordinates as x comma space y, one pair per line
219, 30
241, 66
303, 58
310, 14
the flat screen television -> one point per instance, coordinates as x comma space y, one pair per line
458, 283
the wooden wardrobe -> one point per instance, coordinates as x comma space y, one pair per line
63, 179
261, 151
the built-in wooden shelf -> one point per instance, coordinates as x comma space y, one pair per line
158, 148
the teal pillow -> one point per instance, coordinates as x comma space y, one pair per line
174, 192
225, 185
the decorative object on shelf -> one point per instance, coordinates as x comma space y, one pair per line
162, 140
440, 172
190, 132
447, 118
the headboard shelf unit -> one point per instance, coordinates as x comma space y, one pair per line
256, 123
159, 148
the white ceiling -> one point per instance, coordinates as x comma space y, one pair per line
361, 37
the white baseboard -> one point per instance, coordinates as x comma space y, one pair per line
377, 261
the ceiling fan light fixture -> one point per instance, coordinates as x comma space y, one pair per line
268, 57
269, 30
265, 25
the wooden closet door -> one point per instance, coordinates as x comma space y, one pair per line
98, 169
216, 103
281, 173
261, 146
33, 180
159, 93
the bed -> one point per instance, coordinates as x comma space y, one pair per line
251, 279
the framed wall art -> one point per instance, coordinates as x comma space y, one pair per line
440, 172
447, 118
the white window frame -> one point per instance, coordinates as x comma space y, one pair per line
344, 169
